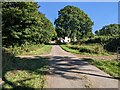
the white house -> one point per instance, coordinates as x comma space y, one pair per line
67, 40
64, 40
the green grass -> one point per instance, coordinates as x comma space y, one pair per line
69, 49
24, 72
30, 49
90, 49
111, 67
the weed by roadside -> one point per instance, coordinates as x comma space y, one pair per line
94, 49
111, 67
30, 49
23, 72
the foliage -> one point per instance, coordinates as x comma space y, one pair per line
74, 23
30, 49
66, 48
98, 39
112, 45
95, 49
92, 49
22, 22
111, 67
23, 72
110, 30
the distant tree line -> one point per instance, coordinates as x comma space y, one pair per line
109, 30
22, 22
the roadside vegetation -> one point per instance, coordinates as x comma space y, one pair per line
97, 45
112, 67
85, 49
25, 31
30, 49
104, 42
23, 72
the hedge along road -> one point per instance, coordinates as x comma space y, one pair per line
68, 71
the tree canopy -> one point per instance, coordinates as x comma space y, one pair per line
109, 30
73, 22
22, 22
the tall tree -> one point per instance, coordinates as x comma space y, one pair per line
73, 22
48, 29
22, 22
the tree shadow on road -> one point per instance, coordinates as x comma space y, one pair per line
62, 65
23, 73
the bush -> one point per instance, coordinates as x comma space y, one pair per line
92, 49
109, 43
112, 45
76, 47
88, 48
99, 39
24, 48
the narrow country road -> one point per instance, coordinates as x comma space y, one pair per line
68, 71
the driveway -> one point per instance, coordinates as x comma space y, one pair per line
68, 71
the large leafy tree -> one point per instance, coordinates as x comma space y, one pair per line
73, 22
22, 22
48, 29
109, 30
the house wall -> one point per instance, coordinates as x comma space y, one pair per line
67, 40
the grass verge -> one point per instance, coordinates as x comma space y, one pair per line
111, 67
64, 47
85, 49
30, 49
23, 72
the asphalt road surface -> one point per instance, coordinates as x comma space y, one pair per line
68, 71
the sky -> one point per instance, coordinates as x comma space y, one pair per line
101, 13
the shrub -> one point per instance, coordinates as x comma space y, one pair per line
109, 43
99, 39
92, 48
88, 48
112, 45
76, 47
24, 48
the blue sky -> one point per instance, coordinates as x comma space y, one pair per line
101, 13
